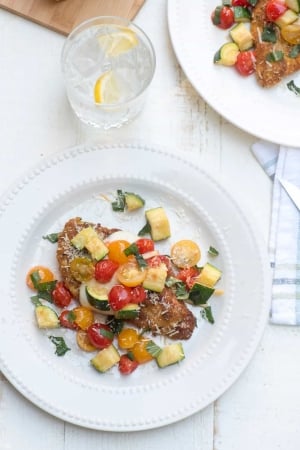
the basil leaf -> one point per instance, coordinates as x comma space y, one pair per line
133, 250
119, 203
61, 347
295, 51
207, 314
35, 300
292, 87
212, 251
276, 55
153, 349
145, 230
269, 33
52, 237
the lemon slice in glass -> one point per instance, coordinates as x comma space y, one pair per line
106, 89
118, 41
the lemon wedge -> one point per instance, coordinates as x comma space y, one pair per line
106, 89
118, 41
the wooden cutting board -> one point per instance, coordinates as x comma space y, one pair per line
63, 16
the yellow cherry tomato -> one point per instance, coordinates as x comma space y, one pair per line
140, 352
82, 269
84, 317
116, 251
185, 253
45, 275
83, 341
127, 338
130, 274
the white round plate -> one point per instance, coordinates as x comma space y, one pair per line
77, 182
271, 114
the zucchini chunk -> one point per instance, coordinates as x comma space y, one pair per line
241, 14
46, 317
133, 201
227, 54
209, 275
106, 359
129, 311
159, 223
155, 278
242, 36
171, 354
89, 239
288, 17
294, 5
199, 294
97, 296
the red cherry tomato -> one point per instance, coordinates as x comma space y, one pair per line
157, 260
104, 270
243, 3
67, 319
145, 245
188, 276
119, 296
126, 365
245, 63
275, 9
223, 17
137, 294
61, 296
100, 335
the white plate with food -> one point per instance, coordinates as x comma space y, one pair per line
268, 113
83, 182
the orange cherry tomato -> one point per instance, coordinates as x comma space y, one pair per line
83, 341
130, 274
116, 251
84, 317
140, 352
44, 273
127, 338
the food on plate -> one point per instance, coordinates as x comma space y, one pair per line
117, 293
264, 38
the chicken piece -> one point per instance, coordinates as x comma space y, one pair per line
268, 73
162, 314
66, 252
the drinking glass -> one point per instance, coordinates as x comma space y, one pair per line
108, 64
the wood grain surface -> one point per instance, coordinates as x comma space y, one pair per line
63, 16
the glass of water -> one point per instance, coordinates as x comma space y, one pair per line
108, 64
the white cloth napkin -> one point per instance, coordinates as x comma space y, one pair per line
284, 240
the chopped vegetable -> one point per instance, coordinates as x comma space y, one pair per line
61, 347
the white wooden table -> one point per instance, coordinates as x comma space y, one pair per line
262, 409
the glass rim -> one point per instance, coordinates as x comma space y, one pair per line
85, 25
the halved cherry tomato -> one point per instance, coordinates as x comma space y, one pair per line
275, 9
245, 63
140, 352
82, 269
130, 274
84, 317
44, 274
127, 365
145, 245
118, 297
137, 294
157, 260
100, 335
104, 270
116, 251
185, 253
127, 338
243, 3
61, 295
223, 17
67, 319
188, 275
84, 342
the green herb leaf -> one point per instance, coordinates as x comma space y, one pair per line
276, 55
212, 251
107, 334
269, 33
145, 230
52, 237
252, 2
292, 87
133, 250
116, 325
61, 347
119, 203
153, 349
36, 300
295, 51
207, 314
